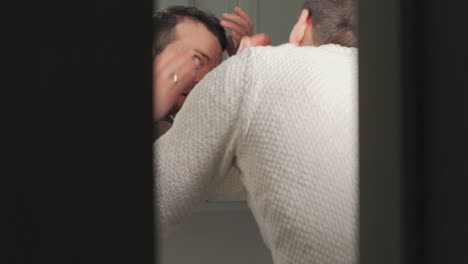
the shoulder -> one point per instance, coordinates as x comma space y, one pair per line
290, 59
302, 53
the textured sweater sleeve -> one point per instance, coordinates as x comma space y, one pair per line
194, 155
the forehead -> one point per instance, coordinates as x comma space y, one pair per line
191, 34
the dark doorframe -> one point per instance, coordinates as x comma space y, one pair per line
413, 131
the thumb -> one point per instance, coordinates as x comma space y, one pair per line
244, 43
254, 41
230, 47
260, 40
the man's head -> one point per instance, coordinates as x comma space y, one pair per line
180, 28
326, 22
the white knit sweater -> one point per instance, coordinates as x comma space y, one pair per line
286, 119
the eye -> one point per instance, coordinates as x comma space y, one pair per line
197, 59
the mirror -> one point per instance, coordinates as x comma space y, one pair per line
227, 228
264, 15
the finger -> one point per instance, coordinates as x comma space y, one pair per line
254, 41
244, 43
187, 75
179, 66
236, 35
260, 40
230, 47
233, 26
236, 19
165, 90
163, 83
243, 14
170, 58
173, 90
164, 59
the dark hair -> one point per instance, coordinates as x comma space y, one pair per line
165, 20
334, 21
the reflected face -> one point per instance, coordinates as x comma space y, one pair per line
194, 35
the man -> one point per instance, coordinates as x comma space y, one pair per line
200, 36
191, 42
286, 118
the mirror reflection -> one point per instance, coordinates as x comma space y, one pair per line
255, 106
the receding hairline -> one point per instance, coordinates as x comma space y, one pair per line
181, 19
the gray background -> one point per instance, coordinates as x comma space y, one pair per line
216, 233
273, 17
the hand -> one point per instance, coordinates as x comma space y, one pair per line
240, 25
253, 41
172, 72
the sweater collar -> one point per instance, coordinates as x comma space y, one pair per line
338, 49
333, 48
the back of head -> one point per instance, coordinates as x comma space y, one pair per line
165, 21
334, 21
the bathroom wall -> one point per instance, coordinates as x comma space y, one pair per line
274, 17
216, 233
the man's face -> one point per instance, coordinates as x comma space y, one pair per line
194, 35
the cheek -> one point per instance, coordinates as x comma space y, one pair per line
209, 68
179, 103
202, 72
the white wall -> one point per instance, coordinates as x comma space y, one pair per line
224, 234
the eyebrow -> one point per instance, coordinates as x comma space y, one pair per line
203, 54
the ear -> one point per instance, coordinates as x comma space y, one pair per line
300, 33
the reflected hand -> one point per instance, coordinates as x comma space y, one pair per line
240, 25
254, 41
173, 71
